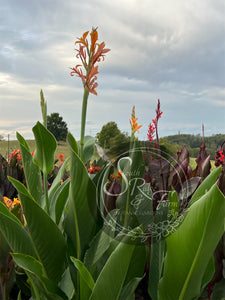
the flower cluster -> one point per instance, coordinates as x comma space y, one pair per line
15, 158
219, 159
153, 126
92, 169
11, 203
89, 56
117, 176
133, 122
60, 157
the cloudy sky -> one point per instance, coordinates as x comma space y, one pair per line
172, 50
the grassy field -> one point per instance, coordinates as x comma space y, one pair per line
62, 148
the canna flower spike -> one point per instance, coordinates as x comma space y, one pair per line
90, 54
152, 128
133, 122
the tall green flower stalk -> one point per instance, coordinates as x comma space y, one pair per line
134, 129
45, 175
89, 53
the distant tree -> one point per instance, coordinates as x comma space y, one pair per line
57, 126
109, 131
119, 144
1, 138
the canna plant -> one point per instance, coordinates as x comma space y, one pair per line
100, 234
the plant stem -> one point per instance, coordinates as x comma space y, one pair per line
132, 146
77, 232
83, 121
160, 159
46, 192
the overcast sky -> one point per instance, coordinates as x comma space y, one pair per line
173, 50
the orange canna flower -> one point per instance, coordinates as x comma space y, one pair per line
9, 203
60, 156
16, 201
134, 125
89, 56
118, 175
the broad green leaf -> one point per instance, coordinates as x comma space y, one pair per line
4, 251
128, 291
73, 143
132, 200
19, 296
219, 291
209, 272
66, 284
86, 281
89, 143
161, 222
205, 186
60, 200
142, 204
5, 211
31, 170
80, 220
83, 272
98, 246
14, 233
43, 288
191, 246
45, 148
47, 238
101, 241
111, 279
57, 181
156, 266
28, 263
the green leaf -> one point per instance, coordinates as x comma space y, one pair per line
98, 246
60, 200
73, 143
128, 292
80, 220
174, 204
31, 170
5, 211
84, 273
190, 248
101, 241
28, 263
19, 296
66, 284
219, 291
89, 143
111, 279
205, 186
156, 265
46, 236
45, 148
57, 181
14, 233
